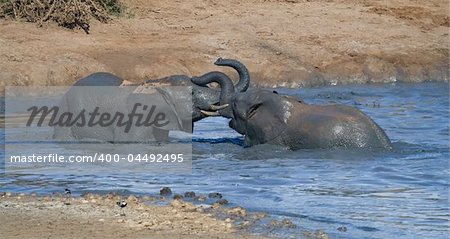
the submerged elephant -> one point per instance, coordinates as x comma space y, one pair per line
175, 104
265, 116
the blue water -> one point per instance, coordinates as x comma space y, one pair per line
401, 194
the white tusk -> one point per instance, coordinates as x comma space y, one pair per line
218, 107
210, 113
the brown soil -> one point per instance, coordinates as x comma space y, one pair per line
289, 43
97, 216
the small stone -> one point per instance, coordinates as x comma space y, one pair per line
342, 229
121, 221
228, 220
101, 220
8, 194
189, 194
320, 234
201, 198
215, 195
238, 211
245, 224
260, 215
222, 201
185, 206
274, 223
165, 191
178, 197
132, 198
288, 223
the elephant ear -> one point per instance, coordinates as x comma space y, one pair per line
179, 99
265, 122
158, 100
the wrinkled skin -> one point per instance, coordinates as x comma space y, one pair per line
203, 96
122, 99
178, 106
264, 116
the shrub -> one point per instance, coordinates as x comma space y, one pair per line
67, 13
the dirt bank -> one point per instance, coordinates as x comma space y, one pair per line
95, 216
291, 43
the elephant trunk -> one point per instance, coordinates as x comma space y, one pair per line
226, 93
244, 76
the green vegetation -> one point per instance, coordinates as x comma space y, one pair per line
114, 7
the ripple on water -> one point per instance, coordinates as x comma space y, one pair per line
402, 194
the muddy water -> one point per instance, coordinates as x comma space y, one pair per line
402, 194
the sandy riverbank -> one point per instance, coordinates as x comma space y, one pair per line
291, 43
95, 216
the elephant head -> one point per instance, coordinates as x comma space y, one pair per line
264, 116
260, 115
203, 96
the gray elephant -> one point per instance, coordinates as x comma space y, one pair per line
265, 116
114, 96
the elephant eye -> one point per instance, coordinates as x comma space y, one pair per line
252, 110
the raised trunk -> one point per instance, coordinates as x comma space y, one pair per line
226, 85
244, 76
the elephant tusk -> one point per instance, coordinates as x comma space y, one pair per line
210, 113
218, 107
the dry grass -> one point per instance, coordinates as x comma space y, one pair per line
67, 13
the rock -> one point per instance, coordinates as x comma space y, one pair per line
165, 191
238, 211
274, 224
288, 223
132, 198
259, 215
245, 224
222, 201
318, 234
101, 220
189, 194
215, 195
8, 194
201, 198
342, 229
178, 197
185, 206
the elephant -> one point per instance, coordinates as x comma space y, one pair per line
264, 116
169, 94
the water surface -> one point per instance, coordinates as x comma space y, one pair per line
401, 194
